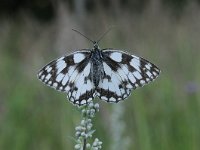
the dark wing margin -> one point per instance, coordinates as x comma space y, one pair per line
70, 74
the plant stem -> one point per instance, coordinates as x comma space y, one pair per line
84, 144
85, 139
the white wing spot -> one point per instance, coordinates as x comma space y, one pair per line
155, 74
104, 98
113, 89
105, 84
69, 94
116, 56
147, 66
149, 73
137, 75
89, 85
73, 76
131, 78
71, 70
112, 99
89, 99
55, 85
83, 102
152, 77
48, 76
128, 91
119, 98
39, 73
65, 79
67, 88
49, 69
59, 77
123, 76
42, 77
157, 69
72, 99
125, 95
142, 82
122, 90
60, 65
125, 69
136, 64
87, 69
78, 57
73, 93
129, 86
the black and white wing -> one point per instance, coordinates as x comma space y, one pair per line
122, 73
70, 74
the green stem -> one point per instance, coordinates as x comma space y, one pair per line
84, 144
85, 139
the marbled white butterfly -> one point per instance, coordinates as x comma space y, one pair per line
108, 74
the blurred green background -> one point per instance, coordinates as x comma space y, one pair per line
160, 116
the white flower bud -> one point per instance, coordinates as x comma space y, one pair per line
96, 106
83, 134
82, 122
88, 145
77, 134
77, 146
91, 105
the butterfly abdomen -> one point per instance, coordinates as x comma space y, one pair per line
97, 65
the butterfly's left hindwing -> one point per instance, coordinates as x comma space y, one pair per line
122, 73
70, 74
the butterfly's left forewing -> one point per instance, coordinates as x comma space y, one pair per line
122, 73
70, 74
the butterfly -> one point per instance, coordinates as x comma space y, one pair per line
108, 74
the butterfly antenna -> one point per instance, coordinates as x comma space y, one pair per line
83, 35
104, 34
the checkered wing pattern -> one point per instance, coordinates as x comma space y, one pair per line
108, 74
70, 74
122, 73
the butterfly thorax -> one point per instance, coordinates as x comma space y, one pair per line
97, 71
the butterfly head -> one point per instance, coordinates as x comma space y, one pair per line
96, 46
